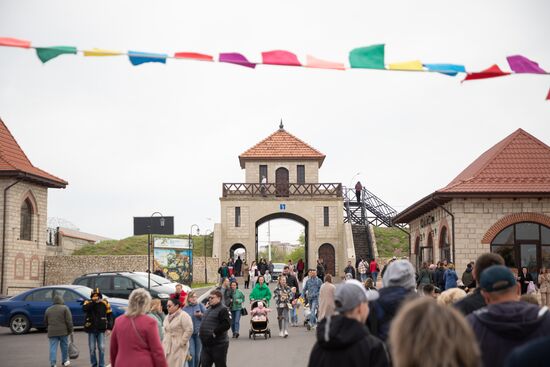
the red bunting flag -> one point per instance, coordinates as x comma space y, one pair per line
193, 55
14, 42
492, 72
548, 96
280, 57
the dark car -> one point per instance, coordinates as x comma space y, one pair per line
121, 284
26, 310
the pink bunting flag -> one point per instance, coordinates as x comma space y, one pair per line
14, 42
492, 72
521, 64
236, 58
193, 55
280, 57
313, 62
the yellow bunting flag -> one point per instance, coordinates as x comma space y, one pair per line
100, 52
407, 65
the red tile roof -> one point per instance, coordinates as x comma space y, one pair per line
281, 144
14, 162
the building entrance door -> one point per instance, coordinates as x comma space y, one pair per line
326, 252
281, 181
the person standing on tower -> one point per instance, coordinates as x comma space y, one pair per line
358, 189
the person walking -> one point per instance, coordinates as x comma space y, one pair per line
450, 277
155, 312
225, 288
373, 267
213, 332
291, 279
321, 269
261, 292
506, 323
544, 286
135, 340
196, 311
311, 290
254, 273
468, 277
223, 271
237, 300
342, 339
424, 277
238, 266
326, 298
362, 269
58, 320
283, 301
358, 189
178, 328
98, 323
438, 275
300, 266
246, 275
350, 270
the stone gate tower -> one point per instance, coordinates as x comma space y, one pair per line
282, 181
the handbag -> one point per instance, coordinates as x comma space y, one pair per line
244, 312
531, 288
73, 349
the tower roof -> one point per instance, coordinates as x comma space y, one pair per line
14, 162
281, 145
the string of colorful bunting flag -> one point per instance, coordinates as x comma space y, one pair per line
370, 57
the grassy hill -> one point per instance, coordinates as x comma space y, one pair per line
137, 245
391, 242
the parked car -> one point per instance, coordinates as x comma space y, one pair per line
277, 270
26, 310
121, 284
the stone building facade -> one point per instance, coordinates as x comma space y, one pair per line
500, 203
23, 212
291, 190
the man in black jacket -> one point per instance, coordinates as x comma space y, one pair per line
475, 301
291, 280
213, 332
350, 270
343, 339
98, 322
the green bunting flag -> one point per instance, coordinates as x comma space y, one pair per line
45, 54
370, 57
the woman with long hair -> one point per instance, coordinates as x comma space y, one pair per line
283, 298
155, 312
135, 340
178, 329
246, 275
196, 311
237, 300
544, 286
441, 328
326, 298
253, 273
261, 291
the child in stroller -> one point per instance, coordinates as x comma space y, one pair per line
258, 320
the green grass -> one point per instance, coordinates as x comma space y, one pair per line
202, 285
137, 245
391, 242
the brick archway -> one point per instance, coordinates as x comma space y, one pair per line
511, 219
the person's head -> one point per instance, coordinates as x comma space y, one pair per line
225, 283
286, 269
524, 270
400, 273
313, 273
429, 290
529, 298
348, 276
369, 283
260, 305
450, 296
224, 263
441, 327
351, 299
253, 263
191, 298
234, 285
424, 265
349, 263
179, 288
498, 284
138, 303
282, 280
485, 261
96, 295
293, 290
469, 266
156, 305
58, 300
173, 305
215, 297
451, 266
328, 278
261, 280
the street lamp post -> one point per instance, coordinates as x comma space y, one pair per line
149, 239
192, 244
204, 253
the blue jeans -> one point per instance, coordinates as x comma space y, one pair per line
374, 277
195, 347
313, 306
294, 315
54, 341
363, 277
235, 321
97, 340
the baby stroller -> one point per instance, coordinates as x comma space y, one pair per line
307, 313
258, 327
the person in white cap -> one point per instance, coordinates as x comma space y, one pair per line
343, 339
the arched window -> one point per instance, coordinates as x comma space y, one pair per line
25, 230
444, 246
426, 252
524, 244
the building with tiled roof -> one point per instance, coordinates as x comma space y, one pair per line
499, 203
24, 206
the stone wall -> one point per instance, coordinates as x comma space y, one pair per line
64, 269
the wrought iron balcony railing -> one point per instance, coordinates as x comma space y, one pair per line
282, 189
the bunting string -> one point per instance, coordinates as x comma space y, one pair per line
369, 57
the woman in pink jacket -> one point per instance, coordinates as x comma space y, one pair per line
135, 340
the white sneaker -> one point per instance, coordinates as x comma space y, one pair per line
286, 333
281, 334
67, 363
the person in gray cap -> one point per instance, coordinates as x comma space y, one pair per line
343, 339
506, 323
398, 285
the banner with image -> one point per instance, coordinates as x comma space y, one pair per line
174, 256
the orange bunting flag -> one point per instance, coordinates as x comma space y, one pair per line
193, 56
14, 42
492, 72
313, 62
280, 57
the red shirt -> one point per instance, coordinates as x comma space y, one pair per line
373, 266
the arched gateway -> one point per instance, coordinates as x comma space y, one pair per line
281, 181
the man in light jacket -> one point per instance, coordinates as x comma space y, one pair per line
59, 321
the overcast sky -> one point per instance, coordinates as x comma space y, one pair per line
134, 140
